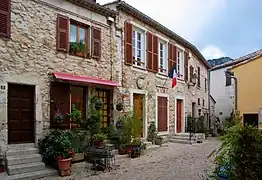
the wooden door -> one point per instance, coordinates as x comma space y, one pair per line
162, 114
103, 95
138, 110
21, 116
178, 116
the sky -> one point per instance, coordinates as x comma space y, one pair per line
217, 28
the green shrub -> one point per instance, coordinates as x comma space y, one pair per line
56, 143
241, 153
152, 132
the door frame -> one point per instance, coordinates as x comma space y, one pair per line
32, 80
167, 96
145, 104
183, 113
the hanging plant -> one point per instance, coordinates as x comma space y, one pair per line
98, 103
119, 106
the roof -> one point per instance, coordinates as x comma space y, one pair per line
93, 6
212, 98
235, 62
83, 79
121, 5
246, 61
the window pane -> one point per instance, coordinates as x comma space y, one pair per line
139, 44
139, 54
72, 33
81, 35
138, 36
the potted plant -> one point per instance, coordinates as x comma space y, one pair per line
75, 116
99, 140
119, 106
97, 103
64, 162
122, 149
56, 143
78, 48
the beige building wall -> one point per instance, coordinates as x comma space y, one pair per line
249, 85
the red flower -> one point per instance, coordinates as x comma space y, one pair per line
59, 158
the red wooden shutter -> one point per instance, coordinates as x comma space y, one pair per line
128, 44
59, 102
155, 54
174, 55
149, 51
5, 18
186, 65
62, 33
96, 42
162, 114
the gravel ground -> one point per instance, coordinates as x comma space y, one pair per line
174, 162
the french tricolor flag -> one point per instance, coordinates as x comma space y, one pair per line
172, 74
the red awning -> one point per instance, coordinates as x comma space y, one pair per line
84, 79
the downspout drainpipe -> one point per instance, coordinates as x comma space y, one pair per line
235, 79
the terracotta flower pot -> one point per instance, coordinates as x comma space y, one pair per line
99, 143
73, 125
64, 164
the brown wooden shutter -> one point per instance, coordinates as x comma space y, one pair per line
96, 42
59, 102
5, 18
162, 114
62, 33
198, 76
191, 73
186, 65
155, 54
149, 53
174, 55
128, 44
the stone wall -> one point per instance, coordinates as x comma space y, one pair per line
155, 83
30, 56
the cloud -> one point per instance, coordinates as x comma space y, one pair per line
212, 52
188, 18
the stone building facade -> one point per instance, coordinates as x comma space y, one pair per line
31, 60
153, 87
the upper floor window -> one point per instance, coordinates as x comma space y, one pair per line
162, 57
138, 47
78, 39
180, 63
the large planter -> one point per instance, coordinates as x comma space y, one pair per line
99, 143
122, 151
64, 164
78, 157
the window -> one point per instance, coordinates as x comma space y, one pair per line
198, 101
162, 58
103, 95
78, 98
191, 73
198, 76
199, 112
180, 63
5, 18
138, 46
203, 103
78, 39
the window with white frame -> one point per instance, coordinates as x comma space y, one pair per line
162, 58
180, 63
138, 45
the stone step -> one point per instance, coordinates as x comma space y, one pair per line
198, 135
22, 151
25, 168
183, 138
21, 146
180, 141
15, 160
34, 175
148, 143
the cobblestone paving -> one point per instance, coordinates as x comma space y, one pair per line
174, 162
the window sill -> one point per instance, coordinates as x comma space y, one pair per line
139, 69
181, 80
79, 58
161, 75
